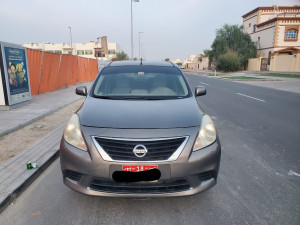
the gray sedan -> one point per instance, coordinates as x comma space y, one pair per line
140, 133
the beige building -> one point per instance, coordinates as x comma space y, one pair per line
92, 49
198, 61
275, 29
177, 61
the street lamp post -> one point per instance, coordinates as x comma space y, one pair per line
132, 29
71, 39
140, 44
97, 47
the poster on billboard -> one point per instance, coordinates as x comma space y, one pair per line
15, 74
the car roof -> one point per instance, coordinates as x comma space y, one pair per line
144, 63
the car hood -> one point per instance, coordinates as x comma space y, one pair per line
140, 114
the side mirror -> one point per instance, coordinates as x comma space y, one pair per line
200, 90
81, 90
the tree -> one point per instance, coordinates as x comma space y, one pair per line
121, 56
167, 60
231, 38
229, 61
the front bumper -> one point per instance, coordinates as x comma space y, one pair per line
191, 173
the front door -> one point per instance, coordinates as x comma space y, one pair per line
264, 64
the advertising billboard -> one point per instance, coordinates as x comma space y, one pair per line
14, 73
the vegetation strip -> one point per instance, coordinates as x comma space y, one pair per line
280, 75
244, 78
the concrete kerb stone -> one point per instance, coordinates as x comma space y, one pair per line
11, 190
226, 76
7, 198
33, 154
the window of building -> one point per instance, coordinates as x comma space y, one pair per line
254, 28
249, 24
291, 34
98, 53
88, 52
80, 52
258, 39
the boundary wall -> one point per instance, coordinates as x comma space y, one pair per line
52, 71
278, 63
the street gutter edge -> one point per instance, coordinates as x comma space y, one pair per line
18, 191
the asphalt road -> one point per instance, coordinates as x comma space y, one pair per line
259, 180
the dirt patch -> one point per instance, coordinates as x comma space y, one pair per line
19, 140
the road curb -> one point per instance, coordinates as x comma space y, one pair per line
14, 176
18, 191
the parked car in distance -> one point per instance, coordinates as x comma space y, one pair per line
140, 133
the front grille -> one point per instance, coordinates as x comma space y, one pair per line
72, 175
139, 188
122, 150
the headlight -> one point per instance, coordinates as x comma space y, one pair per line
72, 133
207, 133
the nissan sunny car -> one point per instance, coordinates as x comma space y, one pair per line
140, 133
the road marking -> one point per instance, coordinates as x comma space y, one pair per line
250, 97
291, 173
204, 83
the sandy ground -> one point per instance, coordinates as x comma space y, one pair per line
15, 142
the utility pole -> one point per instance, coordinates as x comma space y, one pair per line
97, 47
132, 29
71, 39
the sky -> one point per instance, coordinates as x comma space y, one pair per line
171, 28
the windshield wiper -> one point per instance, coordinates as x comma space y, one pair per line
154, 98
135, 97
141, 98
107, 97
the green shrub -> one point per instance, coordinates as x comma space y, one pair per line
229, 61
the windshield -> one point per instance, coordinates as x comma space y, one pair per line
140, 82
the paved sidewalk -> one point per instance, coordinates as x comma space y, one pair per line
39, 106
14, 176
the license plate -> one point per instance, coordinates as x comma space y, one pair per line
138, 168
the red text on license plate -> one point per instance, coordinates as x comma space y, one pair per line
138, 168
